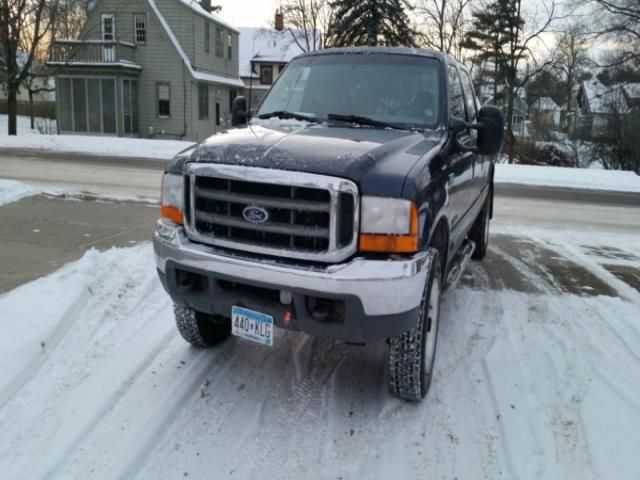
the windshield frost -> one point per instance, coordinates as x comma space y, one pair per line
397, 89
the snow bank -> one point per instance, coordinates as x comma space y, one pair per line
590, 179
12, 191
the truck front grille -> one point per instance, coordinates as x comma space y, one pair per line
306, 216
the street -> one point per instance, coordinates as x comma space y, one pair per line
533, 341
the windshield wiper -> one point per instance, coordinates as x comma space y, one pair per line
283, 114
360, 120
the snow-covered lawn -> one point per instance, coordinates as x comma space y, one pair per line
592, 179
88, 144
165, 149
96, 383
46, 125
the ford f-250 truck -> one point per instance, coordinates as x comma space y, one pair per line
342, 207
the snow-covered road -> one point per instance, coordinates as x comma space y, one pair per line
538, 375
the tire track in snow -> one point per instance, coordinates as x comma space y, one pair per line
137, 449
33, 367
524, 439
109, 400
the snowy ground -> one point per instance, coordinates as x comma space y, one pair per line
592, 179
42, 126
12, 191
87, 144
165, 149
537, 378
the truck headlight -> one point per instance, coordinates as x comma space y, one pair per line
172, 200
388, 225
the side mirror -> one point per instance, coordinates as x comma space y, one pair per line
239, 114
490, 126
491, 131
457, 124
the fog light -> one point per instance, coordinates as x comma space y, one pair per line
286, 297
166, 232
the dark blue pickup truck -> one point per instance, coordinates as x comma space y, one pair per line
342, 207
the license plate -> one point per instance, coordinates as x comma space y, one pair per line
254, 326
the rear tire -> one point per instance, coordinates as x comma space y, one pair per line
199, 329
479, 233
412, 354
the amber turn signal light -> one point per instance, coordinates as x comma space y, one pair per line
392, 243
172, 213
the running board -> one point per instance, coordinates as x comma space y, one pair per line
461, 260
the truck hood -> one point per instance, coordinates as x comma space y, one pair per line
378, 160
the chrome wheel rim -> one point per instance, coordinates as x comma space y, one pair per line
431, 327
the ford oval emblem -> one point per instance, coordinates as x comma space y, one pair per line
255, 214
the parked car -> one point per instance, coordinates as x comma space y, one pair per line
342, 207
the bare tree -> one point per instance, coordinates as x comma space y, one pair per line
443, 24
620, 19
522, 34
572, 56
23, 26
312, 18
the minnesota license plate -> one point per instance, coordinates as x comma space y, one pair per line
252, 325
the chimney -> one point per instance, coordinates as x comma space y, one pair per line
279, 23
206, 5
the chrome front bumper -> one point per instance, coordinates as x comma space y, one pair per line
384, 287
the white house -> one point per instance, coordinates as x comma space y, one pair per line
264, 52
598, 103
547, 111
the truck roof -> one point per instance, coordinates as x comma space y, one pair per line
387, 50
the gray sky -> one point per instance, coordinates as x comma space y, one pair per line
248, 13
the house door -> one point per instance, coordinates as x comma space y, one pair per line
108, 26
130, 106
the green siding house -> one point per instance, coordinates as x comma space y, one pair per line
147, 68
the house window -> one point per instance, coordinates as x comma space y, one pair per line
164, 99
87, 105
220, 42
229, 47
203, 101
130, 106
218, 113
140, 28
207, 35
266, 74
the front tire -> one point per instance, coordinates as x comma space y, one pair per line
199, 329
412, 354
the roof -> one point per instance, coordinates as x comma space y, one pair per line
545, 104
198, 75
632, 89
195, 6
388, 50
270, 45
601, 99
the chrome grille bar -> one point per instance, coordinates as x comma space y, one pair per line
306, 212
283, 228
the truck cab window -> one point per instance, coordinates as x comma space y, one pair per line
456, 98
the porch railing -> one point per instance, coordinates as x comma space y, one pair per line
93, 52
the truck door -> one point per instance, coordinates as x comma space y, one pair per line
481, 163
459, 166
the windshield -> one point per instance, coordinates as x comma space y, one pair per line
403, 91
